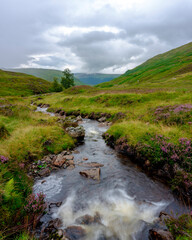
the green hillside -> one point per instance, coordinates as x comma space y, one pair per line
47, 74
80, 78
170, 69
95, 78
21, 84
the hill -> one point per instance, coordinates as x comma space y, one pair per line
21, 84
47, 74
170, 69
95, 78
80, 78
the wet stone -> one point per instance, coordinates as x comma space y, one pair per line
102, 119
76, 152
76, 132
158, 234
91, 164
60, 160
88, 220
93, 173
44, 172
53, 225
69, 157
79, 118
74, 232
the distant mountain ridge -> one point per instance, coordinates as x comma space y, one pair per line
95, 78
80, 78
170, 69
46, 74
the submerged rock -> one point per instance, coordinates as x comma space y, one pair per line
74, 232
53, 225
93, 173
91, 164
88, 220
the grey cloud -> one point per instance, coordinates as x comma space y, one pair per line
144, 31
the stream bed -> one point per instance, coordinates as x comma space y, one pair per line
127, 201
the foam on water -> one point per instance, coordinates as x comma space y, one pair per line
121, 216
44, 110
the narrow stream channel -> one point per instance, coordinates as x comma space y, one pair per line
127, 200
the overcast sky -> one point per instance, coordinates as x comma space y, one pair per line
109, 36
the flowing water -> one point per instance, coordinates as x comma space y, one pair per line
127, 200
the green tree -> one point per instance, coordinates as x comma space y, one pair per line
56, 87
67, 80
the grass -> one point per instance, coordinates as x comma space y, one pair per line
19, 84
172, 69
31, 135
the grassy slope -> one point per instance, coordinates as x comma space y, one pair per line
21, 84
47, 74
28, 131
95, 78
171, 69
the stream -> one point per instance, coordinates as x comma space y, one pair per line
126, 199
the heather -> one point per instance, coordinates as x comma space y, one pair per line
176, 114
180, 227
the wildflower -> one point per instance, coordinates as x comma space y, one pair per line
3, 159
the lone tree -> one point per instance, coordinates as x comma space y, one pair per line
67, 80
56, 87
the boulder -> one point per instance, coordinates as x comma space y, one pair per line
74, 232
102, 119
79, 118
93, 173
53, 225
159, 234
59, 161
76, 132
163, 216
85, 159
44, 172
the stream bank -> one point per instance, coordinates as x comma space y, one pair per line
126, 201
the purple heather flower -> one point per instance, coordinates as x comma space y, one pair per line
3, 159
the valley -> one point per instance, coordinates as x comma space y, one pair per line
138, 125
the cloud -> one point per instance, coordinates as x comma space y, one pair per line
90, 35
